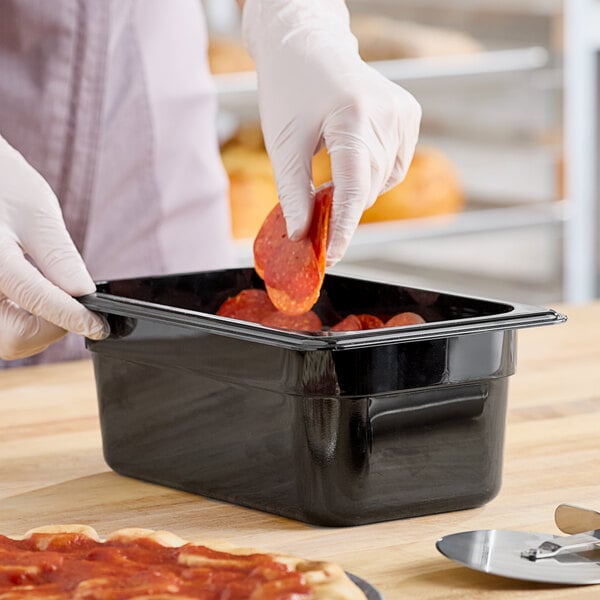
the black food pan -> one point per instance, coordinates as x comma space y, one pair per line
331, 428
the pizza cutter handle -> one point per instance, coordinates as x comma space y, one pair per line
574, 519
570, 544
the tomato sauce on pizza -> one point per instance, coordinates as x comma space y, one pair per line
73, 563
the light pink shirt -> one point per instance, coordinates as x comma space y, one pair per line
112, 102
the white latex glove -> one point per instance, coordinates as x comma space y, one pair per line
36, 307
315, 90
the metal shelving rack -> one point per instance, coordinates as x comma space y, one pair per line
478, 220
581, 64
576, 217
231, 87
237, 94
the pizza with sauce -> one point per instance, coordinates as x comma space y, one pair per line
63, 562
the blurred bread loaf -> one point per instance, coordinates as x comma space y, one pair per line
431, 187
252, 190
379, 38
384, 38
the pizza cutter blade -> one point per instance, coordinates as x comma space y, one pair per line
570, 560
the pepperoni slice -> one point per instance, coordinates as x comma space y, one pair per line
350, 323
405, 318
295, 305
249, 305
370, 321
290, 269
293, 272
319, 227
307, 322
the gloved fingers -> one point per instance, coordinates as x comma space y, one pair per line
47, 241
352, 179
315, 88
403, 159
22, 283
63, 266
292, 170
396, 176
352, 128
23, 334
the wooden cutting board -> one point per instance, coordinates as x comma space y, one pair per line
52, 470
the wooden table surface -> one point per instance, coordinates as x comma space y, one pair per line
52, 471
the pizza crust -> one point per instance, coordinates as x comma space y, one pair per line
328, 581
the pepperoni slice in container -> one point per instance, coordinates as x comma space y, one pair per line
249, 305
307, 322
350, 323
405, 318
293, 272
370, 321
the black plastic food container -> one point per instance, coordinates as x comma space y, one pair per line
328, 428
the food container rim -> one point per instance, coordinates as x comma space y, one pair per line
518, 317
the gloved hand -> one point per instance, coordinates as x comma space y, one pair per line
36, 307
315, 90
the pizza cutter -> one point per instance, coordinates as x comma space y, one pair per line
567, 560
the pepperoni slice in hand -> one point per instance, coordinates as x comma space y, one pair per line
293, 272
249, 305
405, 318
319, 227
